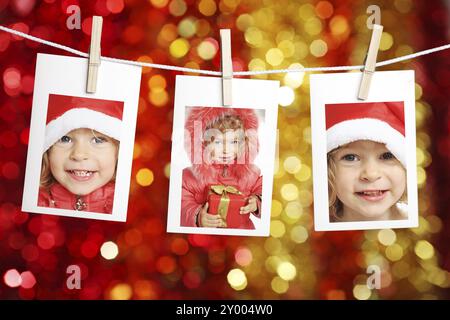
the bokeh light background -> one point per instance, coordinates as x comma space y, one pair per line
138, 259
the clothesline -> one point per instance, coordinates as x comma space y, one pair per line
218, 73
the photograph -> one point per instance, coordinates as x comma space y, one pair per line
80, 152
364, 152
223, 158
80, 148
223, 187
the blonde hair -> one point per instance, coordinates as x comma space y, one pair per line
335, 205
225, 123
47, 179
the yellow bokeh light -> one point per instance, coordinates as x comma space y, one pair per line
304, 174
159, 97
339, 25
386, 237
418, 91
421, 176
294, 79
318, 48
207, 7
244, 21
279, 285
277, 229
237, 279
177, 8
285, 96
286, 271
274, 57
287, 48
167, 170
121, 291
256, 65
187, 27
394, 252
179, 48
277, 207
386, 41
109, 250
157, 82
292, 164
289, 192
306, 11
313, 26
299, 234
145, 59
424, 250
206, 50
159, 3
144, 177
254, 36
361, 292
293, 210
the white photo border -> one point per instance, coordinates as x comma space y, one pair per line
343, 88
67, 76
194, 91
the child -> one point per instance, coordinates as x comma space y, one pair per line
366, 161
80, 154
222, 144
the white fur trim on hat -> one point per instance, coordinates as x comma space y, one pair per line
367, 129
81, 118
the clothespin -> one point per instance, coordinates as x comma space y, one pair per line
227, 66
371, 60
94, 54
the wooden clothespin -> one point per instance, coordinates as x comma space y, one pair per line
371, 60
94, 54
227, 66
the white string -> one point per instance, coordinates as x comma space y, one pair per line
218, 73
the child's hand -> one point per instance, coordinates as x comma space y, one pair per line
209, 220
250, 207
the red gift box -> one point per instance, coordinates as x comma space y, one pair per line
227, 201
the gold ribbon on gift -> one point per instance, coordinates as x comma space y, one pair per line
224, 199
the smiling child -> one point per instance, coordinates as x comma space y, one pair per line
80, 154
222, 144
366, 161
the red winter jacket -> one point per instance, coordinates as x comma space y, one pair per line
197, 179
196, 184
99, 201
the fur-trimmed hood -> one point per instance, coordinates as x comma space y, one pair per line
199, 119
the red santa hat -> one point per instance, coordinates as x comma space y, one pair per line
382, 122
66, 113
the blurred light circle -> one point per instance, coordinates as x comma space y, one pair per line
109, 250
12, 78
179, 48
318, 48
339, 25
299, 234
424, 250
187, 27
121, 291
285, 96
28, 280
289, 192
243, 256
207, 49
293, 210
292, 164
115, 6
177, 8
277, 229
207, 7
286, 271
294, 79
237, 279
159, 3
274, 57
386, 237
145, 177
279, 285
386, 41
324, 9
361, 292
12, 278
